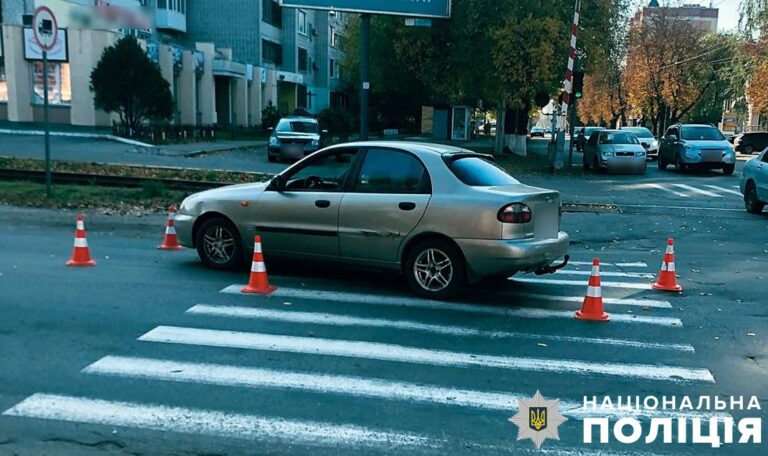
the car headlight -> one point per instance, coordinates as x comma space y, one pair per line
272, 140
607, 153
640, 153
690, 152
654, 144
315, 142
687, 147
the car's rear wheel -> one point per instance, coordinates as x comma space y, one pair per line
435, 269
662, 163
752, 204
728, 169
219, 245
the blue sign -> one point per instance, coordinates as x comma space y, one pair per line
413, 8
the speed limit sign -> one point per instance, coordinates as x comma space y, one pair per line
45, 28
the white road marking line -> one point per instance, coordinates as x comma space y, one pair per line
342, 320
611, 301
687, 208
635, 275
638, 264
581, 283
246, 377
661, 187
195, 421
415, 355
723, 189
397, 301
697, 190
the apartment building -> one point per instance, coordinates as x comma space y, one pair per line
224, 61
702, 17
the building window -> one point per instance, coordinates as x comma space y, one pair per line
333, 69
59, 87
334, 36
303, 60
271, 52
3, 81
302, 97
271, 13
301, 22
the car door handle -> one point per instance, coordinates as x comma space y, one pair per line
322, 203
407, 206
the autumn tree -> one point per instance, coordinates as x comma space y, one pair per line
754, 25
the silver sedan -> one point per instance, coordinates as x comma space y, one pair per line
442, 215
614, 150
754, 183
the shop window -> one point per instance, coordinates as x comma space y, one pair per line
59, 87
3, 82
303, 60
301, 22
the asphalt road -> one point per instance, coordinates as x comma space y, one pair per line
145, 355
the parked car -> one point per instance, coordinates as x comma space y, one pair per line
751, 142
754, 183
614, 150
582, 136
293, 138
701, 146
537, 131
385, 204
647, 140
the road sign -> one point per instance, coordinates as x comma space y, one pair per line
432, 8
45, 28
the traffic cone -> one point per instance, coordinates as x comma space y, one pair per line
592, 308
170, 241
81, 256
258, 283
667, 280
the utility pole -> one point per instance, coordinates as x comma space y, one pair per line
365, 31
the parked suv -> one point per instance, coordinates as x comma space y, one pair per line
751, 142
700, 146
293, 138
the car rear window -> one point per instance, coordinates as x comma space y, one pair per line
479, 172
640, 132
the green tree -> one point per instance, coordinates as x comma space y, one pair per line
127, 82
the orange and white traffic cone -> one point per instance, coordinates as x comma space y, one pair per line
170, 241
667, 280
81, 256
258, 283
592, 308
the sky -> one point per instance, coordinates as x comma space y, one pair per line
728, 16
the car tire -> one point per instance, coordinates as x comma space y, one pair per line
585, 163
644, 169
662, 164
729, 169
271, 158
219, 235
751, 203
423, 275
679, 165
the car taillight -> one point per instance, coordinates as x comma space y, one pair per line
515, 213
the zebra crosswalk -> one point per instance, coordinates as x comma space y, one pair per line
375, 372
689, 191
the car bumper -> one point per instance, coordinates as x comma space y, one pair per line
292, 153
184, 224
698, 163
487, 257
625, 164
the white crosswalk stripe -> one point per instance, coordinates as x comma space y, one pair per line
373, 344
669, 190
698, 190
413, 355
723, 189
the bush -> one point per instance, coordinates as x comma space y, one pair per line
269, 116
336, 120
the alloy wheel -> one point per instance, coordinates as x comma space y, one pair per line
433, 270
219, 244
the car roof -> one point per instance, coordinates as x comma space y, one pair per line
411, 146
310, 119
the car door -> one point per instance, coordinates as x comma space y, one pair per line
303, 217
669, 144
385, 202
590, 150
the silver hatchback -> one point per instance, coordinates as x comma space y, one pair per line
614, 150
443, 215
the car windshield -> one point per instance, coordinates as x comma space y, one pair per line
702, 134
640, 132
618, 138
298, 126
479, 172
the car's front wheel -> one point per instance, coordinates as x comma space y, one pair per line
679, 165
219, 245
435, 269
728, 169
751, 202
662, 163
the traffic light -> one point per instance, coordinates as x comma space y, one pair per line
578, 84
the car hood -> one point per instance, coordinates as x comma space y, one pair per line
708, 144
230, 192
621, 148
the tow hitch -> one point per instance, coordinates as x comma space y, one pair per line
550, 269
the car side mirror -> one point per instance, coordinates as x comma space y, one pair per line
277, 183
324, 132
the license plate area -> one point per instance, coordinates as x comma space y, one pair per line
546, 220
711, 155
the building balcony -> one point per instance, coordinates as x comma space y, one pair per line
168, 19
